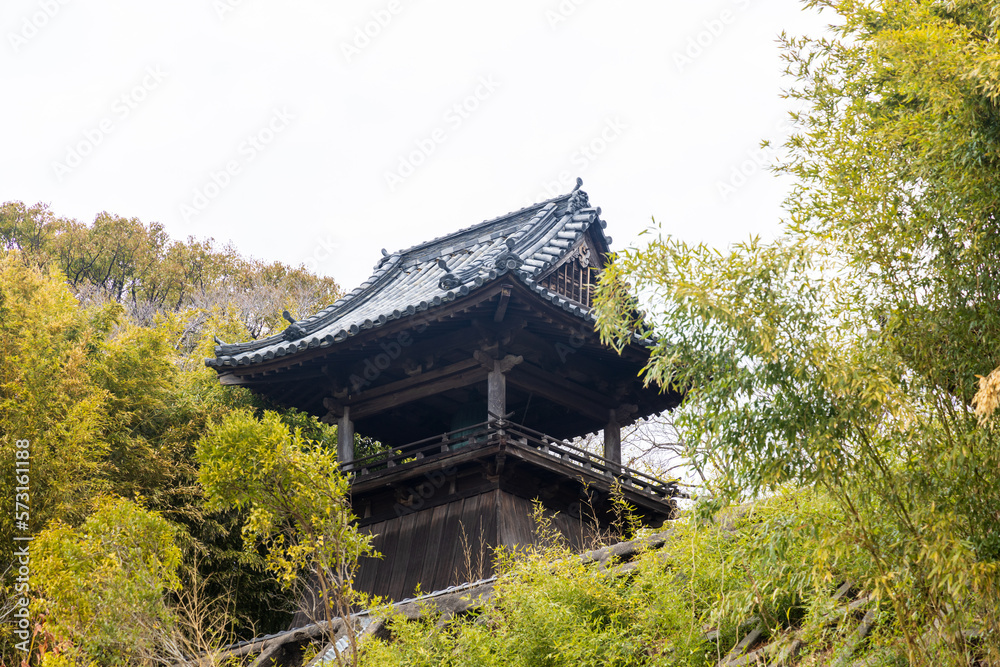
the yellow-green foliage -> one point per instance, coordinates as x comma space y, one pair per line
845, 356
114, 398
551, 609
46, 395
101, 586
296, 501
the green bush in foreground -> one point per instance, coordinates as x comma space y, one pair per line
103, 585
768, 562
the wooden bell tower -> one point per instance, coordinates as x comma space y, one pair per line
473, 360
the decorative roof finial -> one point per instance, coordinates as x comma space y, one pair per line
449, 281
385, 253
578, 198
508, 260
218, 341
294, 330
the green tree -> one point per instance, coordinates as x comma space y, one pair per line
137, 265
115, 406
46, 395
297, 506
845, 356
25, 228
103, 586
161, 400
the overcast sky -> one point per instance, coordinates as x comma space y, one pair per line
319, 132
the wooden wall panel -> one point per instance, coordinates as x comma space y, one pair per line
434, 547
469, 525
400, 561
427, 547
371, 575
517, 525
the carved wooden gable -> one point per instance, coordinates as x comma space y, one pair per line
576, 277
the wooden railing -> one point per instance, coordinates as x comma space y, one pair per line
497, 431
564, 451
415, 451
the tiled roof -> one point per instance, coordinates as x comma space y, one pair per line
524, 244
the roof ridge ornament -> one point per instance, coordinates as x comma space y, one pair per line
578, 199
508, 260
294, 330
449, 281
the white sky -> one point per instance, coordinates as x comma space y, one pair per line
131, 106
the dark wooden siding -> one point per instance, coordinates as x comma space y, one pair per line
454, 543
517, 525
428, 548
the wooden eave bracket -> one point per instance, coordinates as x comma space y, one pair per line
497, 365
501, 311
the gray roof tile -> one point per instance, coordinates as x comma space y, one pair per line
408, 281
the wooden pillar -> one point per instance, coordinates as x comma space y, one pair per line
496, 392
613, 438
345, 438
496, 382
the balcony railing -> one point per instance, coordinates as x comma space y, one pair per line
501, 432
